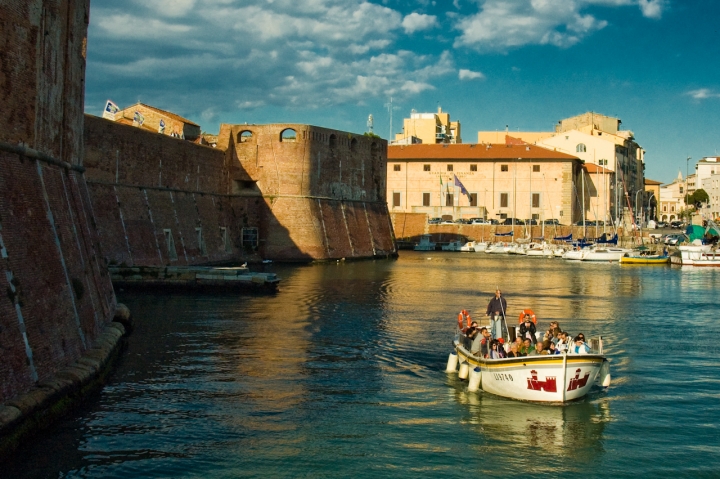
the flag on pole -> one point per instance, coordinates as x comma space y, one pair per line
463, 190
110, 110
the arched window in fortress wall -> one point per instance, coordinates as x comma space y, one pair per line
353, 145
288, 135
333, 141
244, 136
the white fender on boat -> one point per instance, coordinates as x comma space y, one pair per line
452, 362
464, 370
604, 375
474, 381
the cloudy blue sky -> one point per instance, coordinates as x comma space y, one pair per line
489, 63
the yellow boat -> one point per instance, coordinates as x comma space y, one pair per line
644, 259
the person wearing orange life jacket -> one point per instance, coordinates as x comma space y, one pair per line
464, 320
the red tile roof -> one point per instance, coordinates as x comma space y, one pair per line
652, 182
593, 168
472, 151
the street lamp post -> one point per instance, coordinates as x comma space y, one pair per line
648, 208
636, 205
687, 163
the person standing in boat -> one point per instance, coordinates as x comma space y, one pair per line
496, 310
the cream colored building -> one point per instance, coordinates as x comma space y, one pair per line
430, 128
704, 169
652, 199
596, 139
502, 181
672, 199
713, 191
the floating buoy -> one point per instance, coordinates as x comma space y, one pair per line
452, 362
606, 381
464, 370
604, 375
474, 381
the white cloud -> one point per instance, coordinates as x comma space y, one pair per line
702, 94
500, 25
470, 75
418, 21
652, 8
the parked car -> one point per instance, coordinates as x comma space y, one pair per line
674, 239
662, 224
434, 221
532, 222
447, 222
677, 225
509, 221
462, 221
494, 222
479, 221
552, 222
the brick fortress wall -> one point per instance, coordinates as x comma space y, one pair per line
57, 296
309, 201
324, 189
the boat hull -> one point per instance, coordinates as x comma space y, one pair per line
543, 379
604, 254
648, 260
696, 257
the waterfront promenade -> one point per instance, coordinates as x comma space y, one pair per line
341, 374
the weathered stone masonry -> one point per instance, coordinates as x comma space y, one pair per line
57, 301
163, 201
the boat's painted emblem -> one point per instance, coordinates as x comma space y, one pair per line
548, 385
576, 382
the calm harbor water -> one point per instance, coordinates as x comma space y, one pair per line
341, 374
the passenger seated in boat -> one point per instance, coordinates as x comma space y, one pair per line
513, 353
551, 348
579, 347
496, 350
543, 347
481, 343
470, 334
563, 342
527, 347
527, 329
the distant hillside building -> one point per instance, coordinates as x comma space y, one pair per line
159, 121
429, 128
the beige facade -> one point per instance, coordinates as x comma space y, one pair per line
596, 139
429, 128
651, 199
497, 137
502, 181
672, 199
151, 118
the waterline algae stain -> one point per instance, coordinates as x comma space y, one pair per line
341, 374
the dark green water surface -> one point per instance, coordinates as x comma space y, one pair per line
341, 374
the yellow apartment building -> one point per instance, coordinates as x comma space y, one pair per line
430, 128
491, 181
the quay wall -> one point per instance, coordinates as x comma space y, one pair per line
410, 226
58, 299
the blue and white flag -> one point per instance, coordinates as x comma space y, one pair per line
463, 190
138, 119
162, 126
110, 110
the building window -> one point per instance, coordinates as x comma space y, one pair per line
250, 238
536, 216
426, 199
672, 209
288, 135
170, 243
244, 136
396, 199
396, 167
503, 167
426, 167
449, 167
580, 148
536, 168
503, 200
681, 189
665, 208
503, 216
201, 241
225, 239
473, 167
536, 200
449, 199
473, 199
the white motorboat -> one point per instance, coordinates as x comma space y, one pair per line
474, 246
574, 254
425, 244
481, 246
452, 246
498, 248
604, 254
696, 255
559, 378
539, 250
